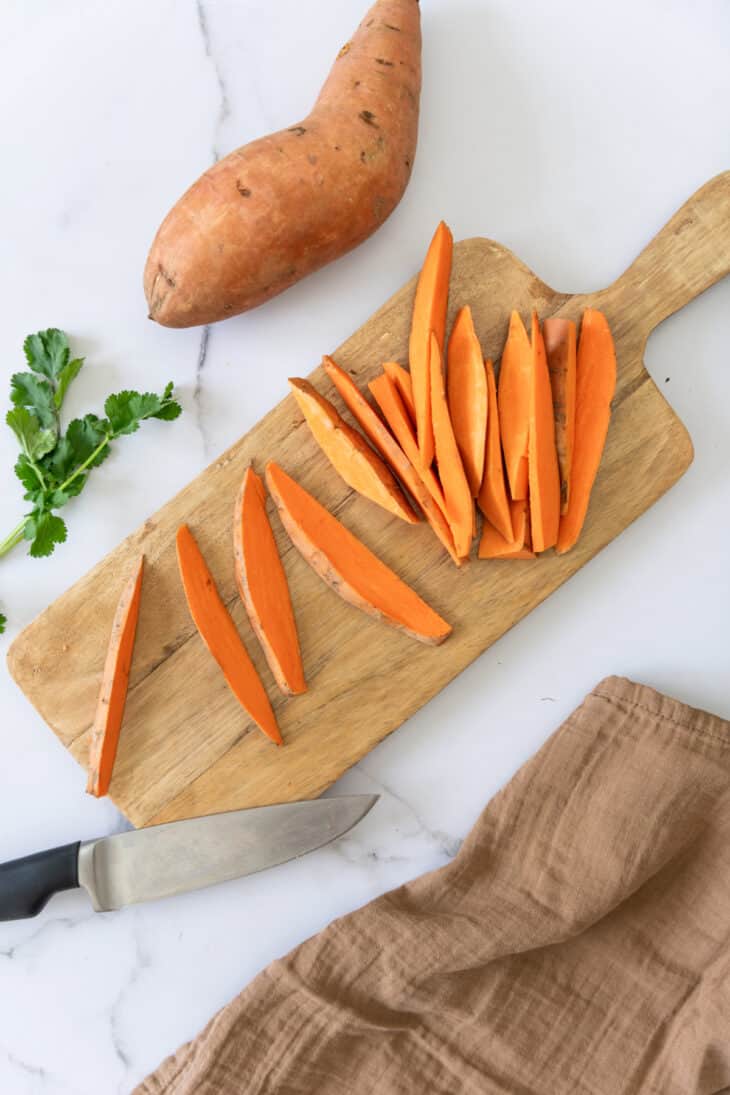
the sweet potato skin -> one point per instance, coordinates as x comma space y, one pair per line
282, 206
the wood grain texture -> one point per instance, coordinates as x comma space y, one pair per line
187, 748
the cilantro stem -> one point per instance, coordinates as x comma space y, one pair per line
37, 470
13, 539
89, 460
16, 536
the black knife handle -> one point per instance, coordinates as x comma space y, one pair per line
27, 884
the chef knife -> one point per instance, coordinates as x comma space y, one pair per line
162, 860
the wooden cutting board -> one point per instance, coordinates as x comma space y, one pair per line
187, 748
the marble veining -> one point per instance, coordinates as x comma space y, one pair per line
117, 108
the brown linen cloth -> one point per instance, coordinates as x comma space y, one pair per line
579, 943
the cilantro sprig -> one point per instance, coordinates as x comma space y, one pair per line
53, 465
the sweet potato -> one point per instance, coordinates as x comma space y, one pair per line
515, 373
493, 545
430, 305
493, 500
349, 453
595, 388
544, 474
263, 586
459, 503
387, 395
351, 569
218, 631
115, 682
402, 380
559, 336
282, 206
466, 384
389, 448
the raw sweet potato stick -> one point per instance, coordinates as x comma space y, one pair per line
402, 380
543, 458
218, 632
115, 682
263, 586
559, 336
513, 399
390, 450
387, 396
595, 387
429, 315
349, 453
459, 502
493, 500
350, 568
466, 384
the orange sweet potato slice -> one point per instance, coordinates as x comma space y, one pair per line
459, 502
263, 586
390, 450
402, 380
387, 396
349, 453
115, 683
595, 387
559, 336
429, 315
544, 474
466, 384
515, 372
351, 569
218, 632
493, 545
493, 500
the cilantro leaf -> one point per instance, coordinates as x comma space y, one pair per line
47, 352
169, 411
35, 393
66, 375
125, 410
45, 530
27, 474
3, 622
86, 434
54, 467
35, 440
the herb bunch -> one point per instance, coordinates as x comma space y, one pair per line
53, 465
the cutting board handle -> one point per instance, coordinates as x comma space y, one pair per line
689, 255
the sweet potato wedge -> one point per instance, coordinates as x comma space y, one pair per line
544, 474
388, 447
402, 380
429, 316
466, 385
493, 545
387, 396
218, 632
350, 455
115, 682
459, 503
559, 336
263, 586
595, 387
350, 568
493, 499
513, 398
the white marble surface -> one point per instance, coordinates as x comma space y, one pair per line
569, 131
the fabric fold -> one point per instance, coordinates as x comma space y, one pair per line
579, 942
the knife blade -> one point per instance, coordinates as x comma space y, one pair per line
179, 856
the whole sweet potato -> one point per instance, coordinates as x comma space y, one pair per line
282, 206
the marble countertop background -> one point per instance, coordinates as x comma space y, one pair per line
570, 132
